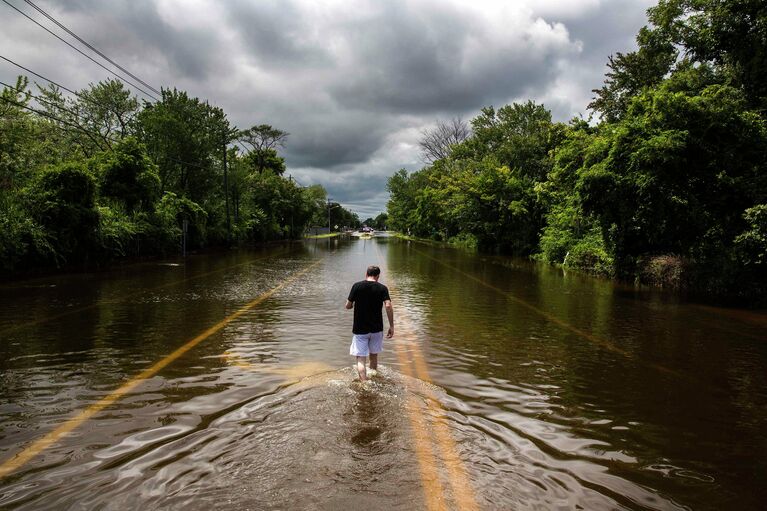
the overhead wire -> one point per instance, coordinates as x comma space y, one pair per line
121, 78
90, 134
79, 95
62, 121
86, 43
44, 78
41, 99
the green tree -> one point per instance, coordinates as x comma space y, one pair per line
380, 221
631, 73
265, 159
128, 176
19, 151
264, 141
730, 34
62, 199
186, 138
681, 168
572, 237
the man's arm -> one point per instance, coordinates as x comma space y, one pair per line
352, 296
390, 317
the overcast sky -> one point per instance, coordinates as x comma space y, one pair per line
354, 83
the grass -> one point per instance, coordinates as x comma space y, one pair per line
318, 236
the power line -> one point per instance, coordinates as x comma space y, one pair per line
90, 134
42, 77
86, 43
41, 99
81, 96
79, 51
89, 100
58, 119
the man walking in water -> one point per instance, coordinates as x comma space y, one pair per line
366, 297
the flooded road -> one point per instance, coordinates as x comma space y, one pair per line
224, 381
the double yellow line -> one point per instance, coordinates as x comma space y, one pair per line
434, 443
13, 464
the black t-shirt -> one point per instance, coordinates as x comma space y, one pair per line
368, 297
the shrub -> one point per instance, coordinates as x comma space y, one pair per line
589, 254
62, 202
669, 271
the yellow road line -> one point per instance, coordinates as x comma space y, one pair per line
424, 452
69, 312
462, 491
11, 465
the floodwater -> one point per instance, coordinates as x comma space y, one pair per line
507, 386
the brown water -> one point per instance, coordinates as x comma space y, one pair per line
507, 386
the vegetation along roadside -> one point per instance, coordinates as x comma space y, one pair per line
665, 185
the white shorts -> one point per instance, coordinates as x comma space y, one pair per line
366, 344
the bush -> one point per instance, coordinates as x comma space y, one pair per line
464, 240
669, 271
128, 176
62, 202
751, 245
116, 232
589, 254
23, 243
171, 213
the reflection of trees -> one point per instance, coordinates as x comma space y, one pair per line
137, 315
652, 368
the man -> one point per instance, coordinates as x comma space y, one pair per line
366, 297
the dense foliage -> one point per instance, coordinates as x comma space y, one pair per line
669, 187
91, 178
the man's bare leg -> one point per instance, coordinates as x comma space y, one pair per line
361, 368
373, 365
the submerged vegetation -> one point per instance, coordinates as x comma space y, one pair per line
92, 178
668, 188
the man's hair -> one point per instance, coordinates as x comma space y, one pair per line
373, 271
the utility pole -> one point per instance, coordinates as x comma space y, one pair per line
328, 215
226, 196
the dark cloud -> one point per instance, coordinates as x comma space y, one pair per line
353, 83
277, 34
439, 61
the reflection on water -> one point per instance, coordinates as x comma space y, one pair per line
557, 390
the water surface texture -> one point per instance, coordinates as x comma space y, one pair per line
507, 386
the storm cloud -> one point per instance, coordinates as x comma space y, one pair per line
353, 83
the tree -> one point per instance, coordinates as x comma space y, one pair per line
680, 169
185, 137
268, 159
519, 135
62, 199
380, 220
19, 150
128, 176
263, 137
437, 142
107, 108
730, 34
632, 72
264, 141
